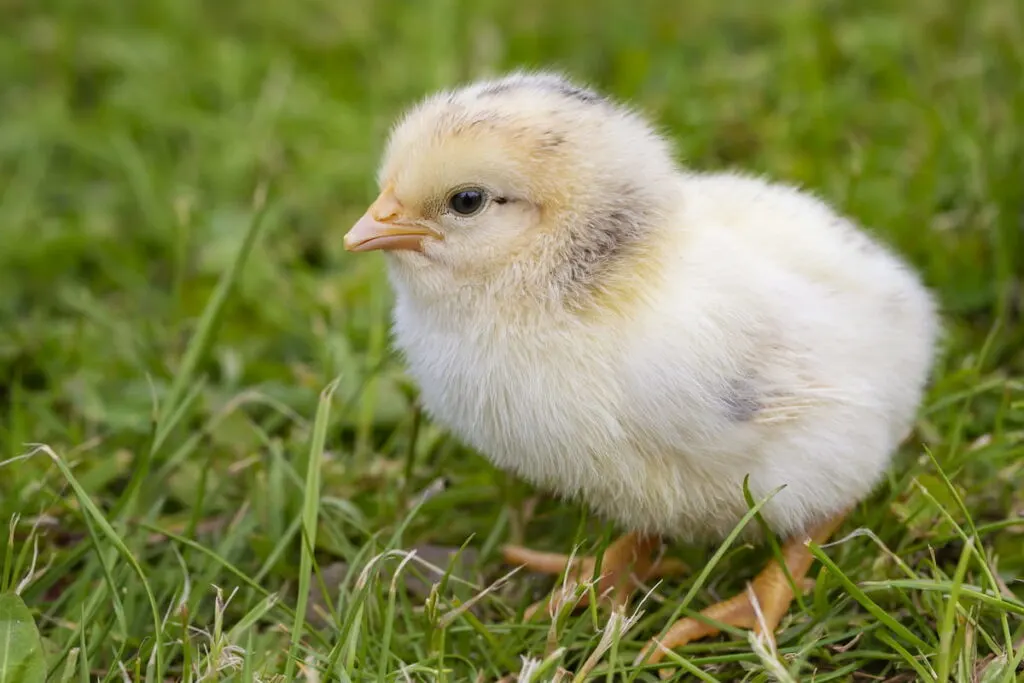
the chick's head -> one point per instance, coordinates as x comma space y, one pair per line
529, 180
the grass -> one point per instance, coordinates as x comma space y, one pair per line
232, 471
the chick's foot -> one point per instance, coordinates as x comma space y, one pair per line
761, 607
625, 566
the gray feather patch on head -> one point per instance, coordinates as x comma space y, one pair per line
601, 240
550, 82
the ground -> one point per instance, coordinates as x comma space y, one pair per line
175, 180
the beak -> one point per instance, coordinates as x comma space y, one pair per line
384, 227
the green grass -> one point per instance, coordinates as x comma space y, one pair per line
175, 181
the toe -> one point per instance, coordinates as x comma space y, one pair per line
535, 560
737, 611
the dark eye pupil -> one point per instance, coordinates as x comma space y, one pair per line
466, 202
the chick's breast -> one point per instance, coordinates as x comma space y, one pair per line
774, 340
539, 398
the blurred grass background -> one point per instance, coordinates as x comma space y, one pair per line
136, 143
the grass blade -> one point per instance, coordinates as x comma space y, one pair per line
21, 650
310, 511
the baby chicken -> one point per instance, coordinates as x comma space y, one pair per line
612, 327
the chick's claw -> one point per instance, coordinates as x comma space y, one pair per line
625, 566
772, 599
761, 607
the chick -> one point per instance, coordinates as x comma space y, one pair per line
600, 321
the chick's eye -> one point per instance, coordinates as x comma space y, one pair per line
466, 202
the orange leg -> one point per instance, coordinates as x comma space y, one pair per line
770, 589
625, 566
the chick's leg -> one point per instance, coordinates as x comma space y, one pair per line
770, 589
625, 565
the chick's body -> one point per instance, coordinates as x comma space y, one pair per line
612, 327
772, 339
